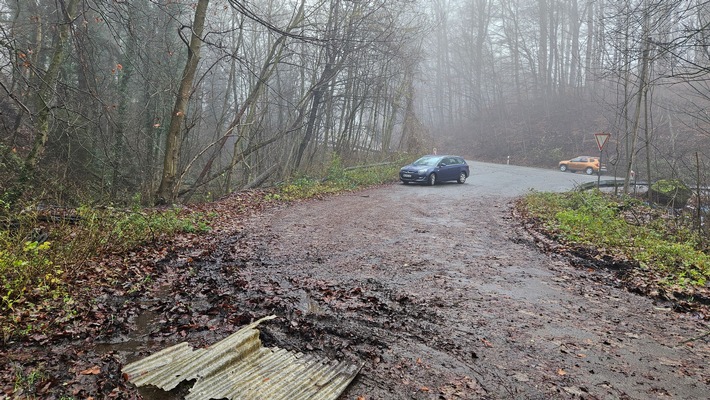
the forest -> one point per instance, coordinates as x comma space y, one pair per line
534, 80
148, 150
177, 101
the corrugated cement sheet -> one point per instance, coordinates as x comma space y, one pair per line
238, 367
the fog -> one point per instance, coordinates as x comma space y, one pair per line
533, 80
207, 97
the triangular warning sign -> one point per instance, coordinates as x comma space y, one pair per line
601, 139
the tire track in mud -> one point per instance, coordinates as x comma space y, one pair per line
435, 291
365, 283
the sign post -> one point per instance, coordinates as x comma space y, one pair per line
601, 139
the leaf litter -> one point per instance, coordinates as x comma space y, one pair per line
349, 281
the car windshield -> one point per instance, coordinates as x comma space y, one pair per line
428, 160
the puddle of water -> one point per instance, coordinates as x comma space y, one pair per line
136, 341
139, 338
307, 305
313, 307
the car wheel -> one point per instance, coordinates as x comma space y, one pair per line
431, 180
462, 177
563, 168
589, 170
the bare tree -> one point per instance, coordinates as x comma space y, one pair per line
168, 185
48, 81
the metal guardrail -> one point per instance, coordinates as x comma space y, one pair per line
610, 183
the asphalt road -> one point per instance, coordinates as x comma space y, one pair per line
513, 180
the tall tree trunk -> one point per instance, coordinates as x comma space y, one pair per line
167, 192
310, 124
640, 96
574, 51
590, 45
647, 135
482, 7
318, 90
542, 57
125, 73
43, 98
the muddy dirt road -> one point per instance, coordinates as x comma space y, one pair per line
438, 291
442, 295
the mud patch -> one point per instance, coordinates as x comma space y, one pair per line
437, 290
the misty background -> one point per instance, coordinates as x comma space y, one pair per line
175, 100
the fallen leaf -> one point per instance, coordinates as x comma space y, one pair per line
95, 370
561, 372
424, 389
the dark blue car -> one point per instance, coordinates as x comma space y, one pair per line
432, 169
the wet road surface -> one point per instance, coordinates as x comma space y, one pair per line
443, 296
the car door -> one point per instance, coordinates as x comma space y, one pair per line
461, 166
455, 168
443, 169
577, 164
449, 169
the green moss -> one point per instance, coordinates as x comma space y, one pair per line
670, 191
669, 186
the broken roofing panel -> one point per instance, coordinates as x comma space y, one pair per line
238, 367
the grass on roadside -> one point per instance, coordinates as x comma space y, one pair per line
36, 269
665, 247
337, 179
30, 266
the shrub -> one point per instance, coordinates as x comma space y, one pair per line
41, 268
625, 228
337, 179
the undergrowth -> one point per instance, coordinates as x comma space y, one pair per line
37, 262
663, 245
337, 179
40, 259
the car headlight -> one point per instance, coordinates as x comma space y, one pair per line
422, 171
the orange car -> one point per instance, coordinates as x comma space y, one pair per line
589, 165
